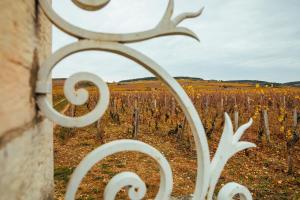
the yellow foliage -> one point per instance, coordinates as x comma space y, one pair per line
289, 134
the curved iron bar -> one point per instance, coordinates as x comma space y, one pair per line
180, 95
165, 27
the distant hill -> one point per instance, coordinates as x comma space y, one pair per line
154, 78
295, 83
254, 82
60, 81
292, 84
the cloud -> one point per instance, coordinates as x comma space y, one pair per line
249, 39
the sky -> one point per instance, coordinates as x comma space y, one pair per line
239, 39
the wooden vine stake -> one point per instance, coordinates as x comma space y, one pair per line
222, 104
292, 141
135, 120
72, 113
248, 103
236, 115
72, 110
295, 118
206, 104
236, 120
266, 124
100, 131
173, 106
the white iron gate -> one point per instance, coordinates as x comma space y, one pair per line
208, 172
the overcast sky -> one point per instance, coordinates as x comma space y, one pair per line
240, 39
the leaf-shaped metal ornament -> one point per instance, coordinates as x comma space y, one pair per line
229, 145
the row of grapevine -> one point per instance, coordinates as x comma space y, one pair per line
274, 111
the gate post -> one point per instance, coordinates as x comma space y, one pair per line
26, 144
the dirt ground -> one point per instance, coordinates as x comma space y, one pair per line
263, 169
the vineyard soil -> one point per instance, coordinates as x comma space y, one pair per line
161, 123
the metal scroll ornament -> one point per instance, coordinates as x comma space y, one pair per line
208, 172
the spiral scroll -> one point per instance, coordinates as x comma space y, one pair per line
208, 172
76, 97
137, 187
230, 190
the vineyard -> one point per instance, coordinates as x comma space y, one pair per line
146, 111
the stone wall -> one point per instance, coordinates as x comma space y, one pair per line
26, 147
